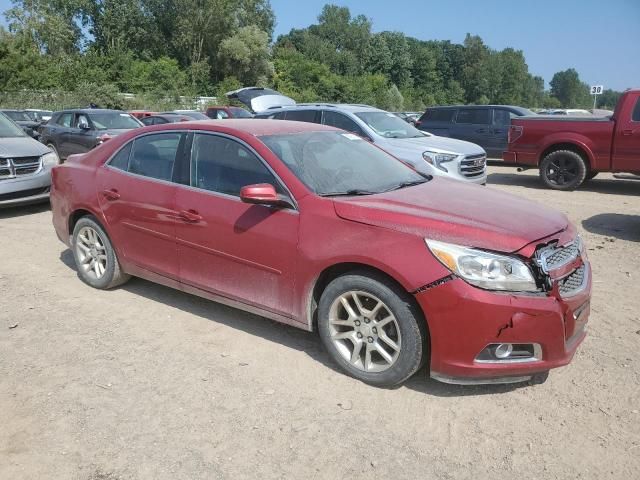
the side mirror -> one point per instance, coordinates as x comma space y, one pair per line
263, 194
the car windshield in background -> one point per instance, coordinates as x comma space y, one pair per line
337, 163
9, 129
113, 121
240, 112
389, 125
18, 116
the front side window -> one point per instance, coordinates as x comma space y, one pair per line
475, 116
389, 125
636, 112
222, 165
114, 120
339, 120
338, 163
154, 155
65, 120
438, 115
81, 121
221, 115
240, 112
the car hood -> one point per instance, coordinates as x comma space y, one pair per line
21, 147
456, 212
435, 142
259, 99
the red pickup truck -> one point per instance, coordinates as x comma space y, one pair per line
569, 150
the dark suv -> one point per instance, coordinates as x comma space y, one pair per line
78, 131
484, 125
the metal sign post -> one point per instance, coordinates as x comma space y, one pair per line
595, 91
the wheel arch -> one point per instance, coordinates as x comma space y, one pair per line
575, 147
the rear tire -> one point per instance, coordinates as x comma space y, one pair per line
563, 170
372, 329
96, 260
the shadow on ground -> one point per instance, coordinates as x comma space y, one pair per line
619, 225
597, 185
13, 212
275, 332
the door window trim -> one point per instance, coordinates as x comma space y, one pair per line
188, 157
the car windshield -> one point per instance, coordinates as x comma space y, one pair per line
389, 125
339, 163
113, 120
17, 116
9, 129
240, 112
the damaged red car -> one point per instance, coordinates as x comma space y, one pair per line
317, 228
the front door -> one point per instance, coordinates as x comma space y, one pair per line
81, 138
626, 143
137, 196
227, 247
497, 139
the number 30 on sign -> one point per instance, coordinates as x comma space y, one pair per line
596, 89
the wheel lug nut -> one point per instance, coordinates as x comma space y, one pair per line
359, 335
366, 320
357, 323
370, 339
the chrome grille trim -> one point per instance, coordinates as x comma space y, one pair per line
554, 257
18, 167
473, 165
575, 282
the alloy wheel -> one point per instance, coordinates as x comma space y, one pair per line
91, 252
562, 171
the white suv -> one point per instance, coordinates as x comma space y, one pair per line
427, 153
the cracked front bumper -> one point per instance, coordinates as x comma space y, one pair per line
463, 320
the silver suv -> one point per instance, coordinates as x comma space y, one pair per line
25, 166
427, 153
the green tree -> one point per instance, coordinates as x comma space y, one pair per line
245, 56
570, 91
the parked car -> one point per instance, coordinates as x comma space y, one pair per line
425, 152
40, 116
315, 227
78, 131
570, 150
22, 119
192, 114
25, 166
221, 113
161, 119
140, 114
484, 125
409, 117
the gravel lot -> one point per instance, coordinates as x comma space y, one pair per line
144, 382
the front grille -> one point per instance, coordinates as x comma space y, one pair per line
20, 166
473, 165
573, 283
554, 257
23, 193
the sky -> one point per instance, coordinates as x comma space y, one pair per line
600, 39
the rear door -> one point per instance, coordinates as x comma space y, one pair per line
497, 139
473, 125
340, 120
59, 133
626, 142
243, 252
136, 191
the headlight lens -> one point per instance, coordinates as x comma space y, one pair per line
484, 269
437, 159
49, 159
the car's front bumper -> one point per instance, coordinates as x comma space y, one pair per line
26, 190
463, 320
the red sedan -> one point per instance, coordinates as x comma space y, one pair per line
317, 228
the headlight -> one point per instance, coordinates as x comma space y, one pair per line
437, 159
49, 159
484, 269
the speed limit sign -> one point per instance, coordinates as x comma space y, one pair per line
596, 89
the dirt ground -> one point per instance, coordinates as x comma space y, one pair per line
144, 382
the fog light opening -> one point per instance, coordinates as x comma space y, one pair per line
503, 350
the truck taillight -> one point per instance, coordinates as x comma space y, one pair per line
515, 132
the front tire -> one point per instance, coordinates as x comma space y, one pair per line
563, 170
53, 148
96, 260
372, 329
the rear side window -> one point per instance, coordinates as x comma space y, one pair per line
154, 155
302, 116
121, 159
636, 112
476, 116
222, 165
339, 120
438, 115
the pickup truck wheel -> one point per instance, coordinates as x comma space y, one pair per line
372, 329
563, 170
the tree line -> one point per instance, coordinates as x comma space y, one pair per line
163, 48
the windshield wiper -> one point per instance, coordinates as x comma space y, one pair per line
353, 191
407, 184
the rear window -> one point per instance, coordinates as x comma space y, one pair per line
438, 115
476, 116
636, 112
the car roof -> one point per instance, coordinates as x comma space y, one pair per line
349, 107
90, 110
251, 126
515, 107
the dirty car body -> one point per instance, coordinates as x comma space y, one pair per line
277, 238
